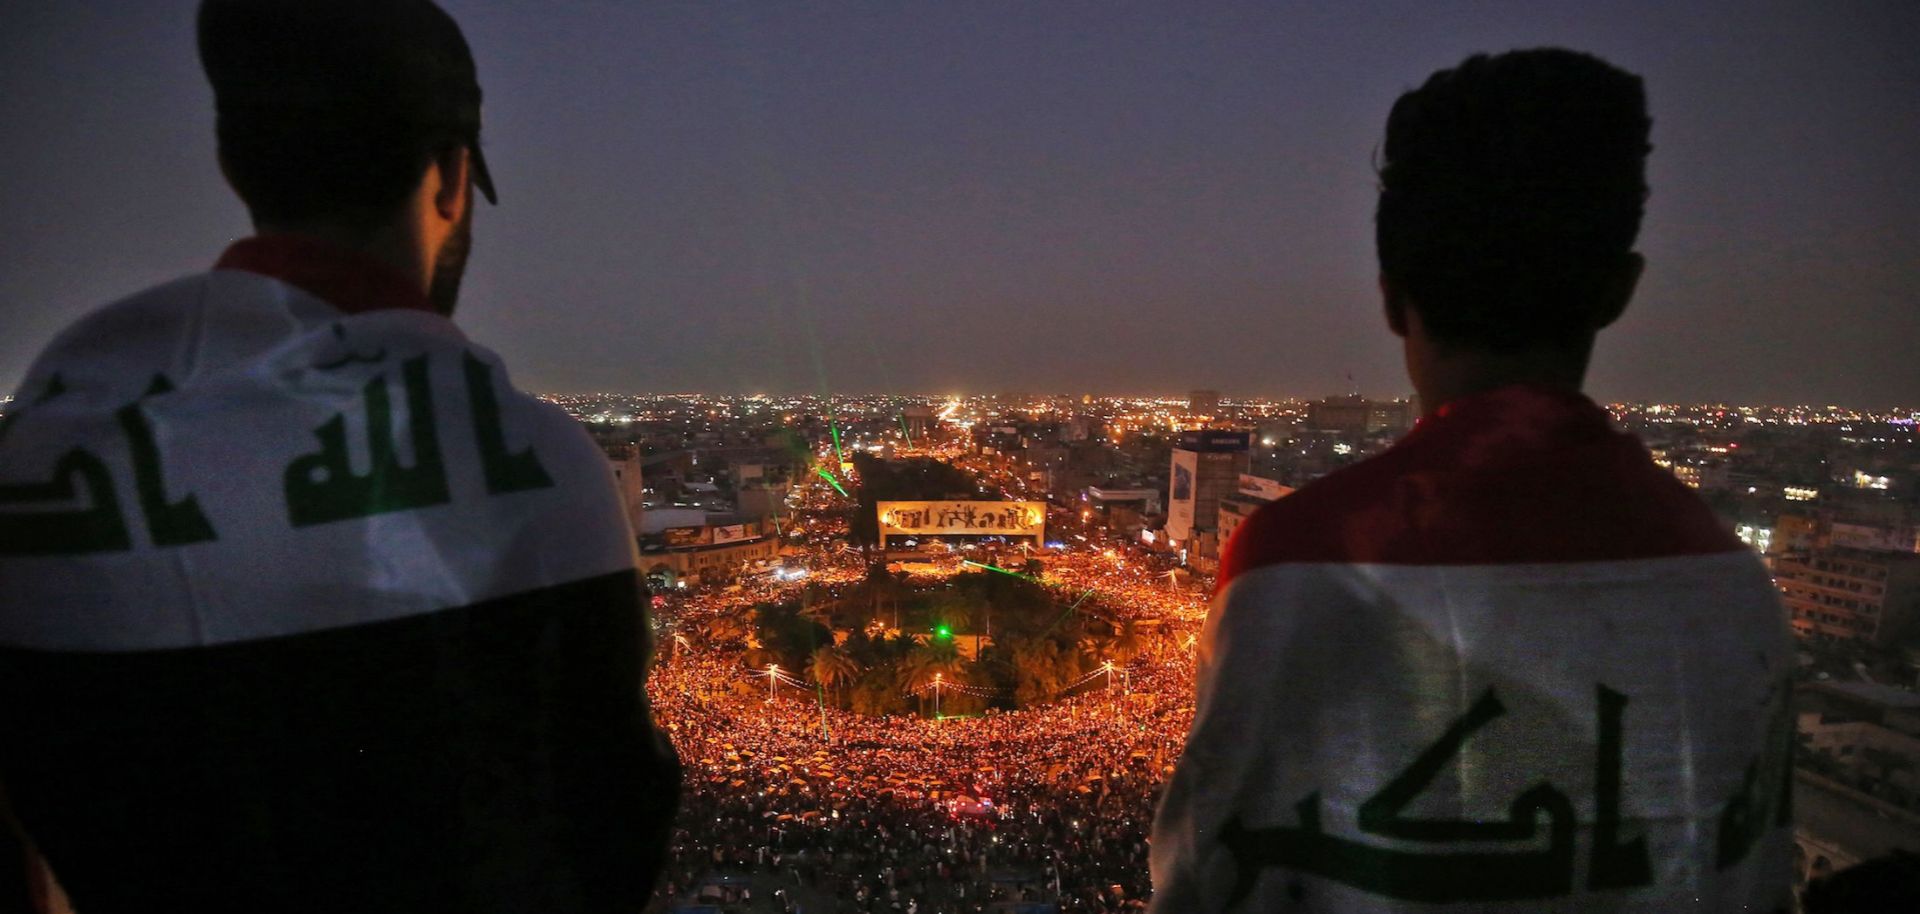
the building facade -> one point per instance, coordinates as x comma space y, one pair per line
627, 478
1253, 492
1840, 593
709, 562
1206, 468
1357, 415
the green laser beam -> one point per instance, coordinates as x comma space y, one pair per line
988, 567
1069, 612
820, 370
829, 478
1056, 622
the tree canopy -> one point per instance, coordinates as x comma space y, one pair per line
1041, 640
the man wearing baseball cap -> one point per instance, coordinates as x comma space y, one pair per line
306, 608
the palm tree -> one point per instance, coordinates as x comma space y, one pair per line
936, 655
882, 590
1098, 645
1041, 669
758, 659
831, 667
1127, 641
816, 605
937, 660
952, 610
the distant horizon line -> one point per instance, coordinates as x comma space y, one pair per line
1225, 398
1904, 411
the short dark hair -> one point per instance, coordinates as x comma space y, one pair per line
333, 111
1511, 189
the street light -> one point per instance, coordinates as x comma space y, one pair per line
773, 679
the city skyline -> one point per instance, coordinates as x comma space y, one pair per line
997, 197
1896, 410
1902, 414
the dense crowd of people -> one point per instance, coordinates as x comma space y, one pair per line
1131, 587
1047, 806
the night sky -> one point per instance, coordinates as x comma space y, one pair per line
940, 197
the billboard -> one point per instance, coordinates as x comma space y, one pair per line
963, 518
1180, 490
1262, 488
687, 536
1213, 441
730, 533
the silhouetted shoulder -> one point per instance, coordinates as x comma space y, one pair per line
1318, 523
1460, 495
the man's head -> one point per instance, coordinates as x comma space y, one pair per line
1511, 192
355, 118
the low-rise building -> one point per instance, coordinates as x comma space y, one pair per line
707, 553
1254, 491
1104, 498
1865, 734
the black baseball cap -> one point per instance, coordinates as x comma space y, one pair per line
362, 64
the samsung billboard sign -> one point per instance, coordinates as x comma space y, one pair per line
1214, 441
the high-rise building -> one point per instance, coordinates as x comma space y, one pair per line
1206, 468
1203, 403
1356, 415
627, 479
918, 420
1393, 416
1346, 414
1841, 593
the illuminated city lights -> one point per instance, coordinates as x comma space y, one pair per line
1106, 552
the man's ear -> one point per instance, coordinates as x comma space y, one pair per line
1396, 306
1619, 289
451, 162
